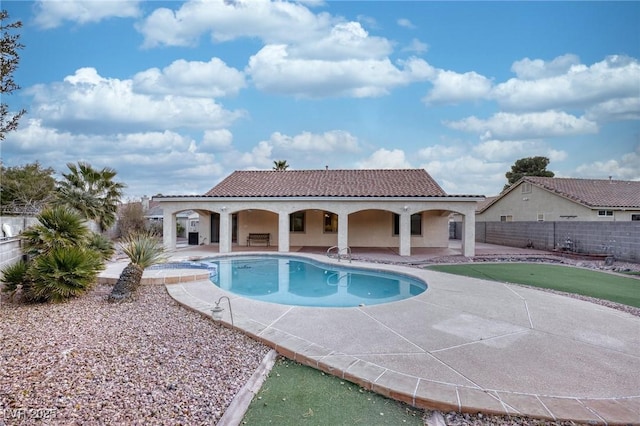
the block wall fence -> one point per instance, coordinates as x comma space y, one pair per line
621, 239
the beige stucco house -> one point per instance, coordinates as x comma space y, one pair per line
325, 208
564, 199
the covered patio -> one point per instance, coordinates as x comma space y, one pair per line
403, 210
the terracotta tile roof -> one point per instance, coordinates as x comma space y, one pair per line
593, 192
482, 205
328, 183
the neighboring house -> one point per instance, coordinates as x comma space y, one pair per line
324, 208
564, 199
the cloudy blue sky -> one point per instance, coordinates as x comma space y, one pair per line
176, 95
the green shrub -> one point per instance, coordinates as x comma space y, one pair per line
64, 258
57, 227
102, 245
64, 273
15, 277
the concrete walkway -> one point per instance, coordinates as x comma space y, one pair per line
464, 344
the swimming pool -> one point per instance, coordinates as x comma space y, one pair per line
304, 282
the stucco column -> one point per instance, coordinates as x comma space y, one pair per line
405, 234
204, 228
469, 234
343, 231
169, 230
225, 232
283, 232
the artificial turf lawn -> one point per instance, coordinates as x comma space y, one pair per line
296, 394
586, 282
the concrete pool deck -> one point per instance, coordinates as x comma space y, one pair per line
464, 344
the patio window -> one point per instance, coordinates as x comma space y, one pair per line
330, 223
296, 222
416, 224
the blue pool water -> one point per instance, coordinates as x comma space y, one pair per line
302, 282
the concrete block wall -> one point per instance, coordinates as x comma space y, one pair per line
622, 239
10, 251
10, 248
17, 223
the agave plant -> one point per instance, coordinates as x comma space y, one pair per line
144, 250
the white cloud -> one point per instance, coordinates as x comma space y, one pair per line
615, 110
147, 162
406, 23
191, 78
346, 40
273, 22
510, 126
467, 174
89, 103
51, 14
331, 141
216, 139
498, 150
305, 54
450, 87
436, 152
385, 159
627, 167
555, 155
508, 150
272, 70
416, 46
528, 69
30, 137
580, 86
258, 158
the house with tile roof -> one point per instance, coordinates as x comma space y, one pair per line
540, 199
399, 209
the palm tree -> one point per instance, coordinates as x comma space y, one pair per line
63, 273
143, 249
91, 192
280, 165
57, 227
63, 261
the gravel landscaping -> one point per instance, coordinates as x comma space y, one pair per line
151, 361
89, 362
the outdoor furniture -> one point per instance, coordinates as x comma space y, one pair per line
260, 238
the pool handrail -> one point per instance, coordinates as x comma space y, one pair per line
338, 253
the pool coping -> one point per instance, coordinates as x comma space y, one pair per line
191, 290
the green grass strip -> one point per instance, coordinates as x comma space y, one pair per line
585, 282
296, 394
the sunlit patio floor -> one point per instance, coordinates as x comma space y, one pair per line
464, 344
